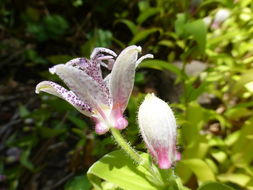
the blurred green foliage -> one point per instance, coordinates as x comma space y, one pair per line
201, 66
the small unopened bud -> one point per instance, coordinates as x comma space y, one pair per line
158, 128
220, 17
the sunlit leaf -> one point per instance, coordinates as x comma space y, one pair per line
220, 156
161, 65
214, 186
192, 93
202, 171
180, 24
167, 43
241, 150
117, 168
244, 79
195, 117
198, 30
237, 178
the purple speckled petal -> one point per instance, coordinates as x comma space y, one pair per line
122, 77
80, 63
91, 68
69, 96
83, 85
107, 80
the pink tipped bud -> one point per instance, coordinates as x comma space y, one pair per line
158, 128
220, 17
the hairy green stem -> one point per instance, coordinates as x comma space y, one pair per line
157, 178
133, 154
125, 146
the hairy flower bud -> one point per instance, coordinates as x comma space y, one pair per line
158, 128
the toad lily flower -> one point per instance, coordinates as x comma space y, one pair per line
158, 129
102, 99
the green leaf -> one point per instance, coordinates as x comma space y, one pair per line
117, 168
132, 27
103, 38
140, 78
237, 113
147, 14
33, 56
51, 27
244, 79
241, 149
220, 156
161, 65
194, 117
232, 138
23, 111
77, 121
78, 183
37, 30
167, 43
217, 39
192, 93
214, 186
249, 86
55, 26
143, 5
198, 30
144, 34
237, 178
202, 171
24, 159
32, 14
180, 24
49, 132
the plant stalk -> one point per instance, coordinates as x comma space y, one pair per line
133, 154
125, 146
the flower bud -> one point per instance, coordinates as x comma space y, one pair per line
158, 129
220, 17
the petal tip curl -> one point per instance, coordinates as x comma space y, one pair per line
39, 87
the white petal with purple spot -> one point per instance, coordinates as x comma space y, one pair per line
69, 96
86, 88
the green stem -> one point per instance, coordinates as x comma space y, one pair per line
140, 161
133, 154
125, 146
